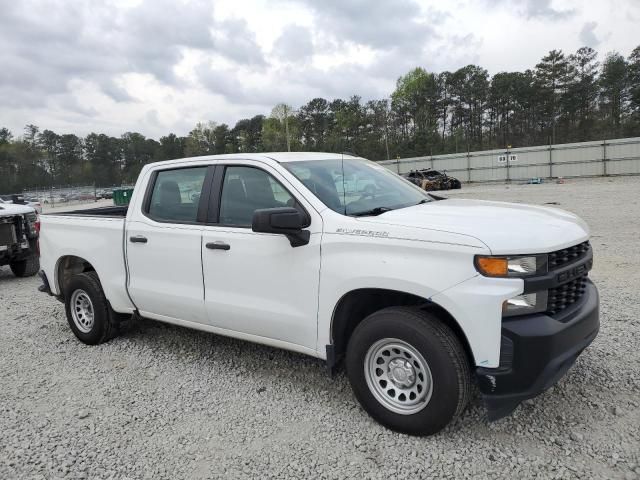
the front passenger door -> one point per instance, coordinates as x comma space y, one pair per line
257, 283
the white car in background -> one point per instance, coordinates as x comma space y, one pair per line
35, 204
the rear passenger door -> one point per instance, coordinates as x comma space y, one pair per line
257, 283
163, 242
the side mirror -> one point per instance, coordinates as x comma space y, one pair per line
285, 221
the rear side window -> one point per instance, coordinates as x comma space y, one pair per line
176, 195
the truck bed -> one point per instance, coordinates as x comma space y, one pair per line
94, 235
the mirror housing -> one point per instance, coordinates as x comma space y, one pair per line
284, 221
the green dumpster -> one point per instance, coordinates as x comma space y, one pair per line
122, 196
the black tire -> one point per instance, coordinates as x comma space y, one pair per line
27, 267
105, 324
440, 348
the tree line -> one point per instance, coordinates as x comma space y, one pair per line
565, 98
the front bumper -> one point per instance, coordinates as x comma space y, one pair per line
536, 351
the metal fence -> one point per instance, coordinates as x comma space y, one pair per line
586, 159
63, 195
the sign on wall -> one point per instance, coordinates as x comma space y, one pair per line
512, 158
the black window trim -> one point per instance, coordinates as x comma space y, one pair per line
203, 202
213, 217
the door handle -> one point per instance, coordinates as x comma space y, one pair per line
218, 246
138, 239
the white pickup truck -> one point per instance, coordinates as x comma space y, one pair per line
419, 296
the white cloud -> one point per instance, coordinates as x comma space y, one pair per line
588, 35
157, 66
294, 44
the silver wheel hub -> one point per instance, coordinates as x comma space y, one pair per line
401, 372
82, 311
398, 376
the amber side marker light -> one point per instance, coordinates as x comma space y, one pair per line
492, 266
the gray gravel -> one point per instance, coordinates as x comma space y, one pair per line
166, 402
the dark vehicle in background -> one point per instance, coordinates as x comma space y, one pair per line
428, 179
19, 230
105, 193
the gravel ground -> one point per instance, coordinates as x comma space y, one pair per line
166, 402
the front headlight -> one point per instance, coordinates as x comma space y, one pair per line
525, 304
511, 266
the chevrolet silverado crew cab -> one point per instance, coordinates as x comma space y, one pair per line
19, 227
420, 297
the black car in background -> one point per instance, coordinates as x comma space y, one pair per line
429, 179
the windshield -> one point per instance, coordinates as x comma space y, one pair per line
356, 186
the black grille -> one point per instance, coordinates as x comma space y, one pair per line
567, 255
564, 295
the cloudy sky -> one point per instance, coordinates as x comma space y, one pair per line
159, 66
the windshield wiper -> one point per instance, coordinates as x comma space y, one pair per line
373, 212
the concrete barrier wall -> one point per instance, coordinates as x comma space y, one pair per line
586, 159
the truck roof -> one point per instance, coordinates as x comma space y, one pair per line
280, 157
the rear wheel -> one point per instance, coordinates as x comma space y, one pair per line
408, 370
27, 267
88, 312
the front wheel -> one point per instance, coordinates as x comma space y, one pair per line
408, 370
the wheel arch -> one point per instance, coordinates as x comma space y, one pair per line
355, 305
66, 267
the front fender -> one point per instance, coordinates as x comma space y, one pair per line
420, 268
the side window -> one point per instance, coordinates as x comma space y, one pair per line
247, 189
176, 194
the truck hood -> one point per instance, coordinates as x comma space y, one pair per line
506, 228
7, 209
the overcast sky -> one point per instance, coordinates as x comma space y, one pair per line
160, 66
